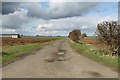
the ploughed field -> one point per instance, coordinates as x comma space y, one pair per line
91, 41
12, 41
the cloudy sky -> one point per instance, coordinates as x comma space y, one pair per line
55, 18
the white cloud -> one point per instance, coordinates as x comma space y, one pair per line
108, 18
69, 9
58, 10
35, 10
58, 19
14, 20
86, 24
11, 7
8, 31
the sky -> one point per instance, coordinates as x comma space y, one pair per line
55, 18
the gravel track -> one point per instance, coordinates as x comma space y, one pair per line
57, 60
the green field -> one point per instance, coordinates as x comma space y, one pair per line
11, 53
94, 53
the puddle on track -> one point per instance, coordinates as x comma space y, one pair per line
92, 74
58, 56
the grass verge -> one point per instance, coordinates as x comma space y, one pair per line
11, 53
94, 53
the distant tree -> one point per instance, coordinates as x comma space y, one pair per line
83, 35
75, 35
19, 36
37, 35
58, 36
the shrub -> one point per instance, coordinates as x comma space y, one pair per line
109, 33
75, 35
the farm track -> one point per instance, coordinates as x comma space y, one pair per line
57, 60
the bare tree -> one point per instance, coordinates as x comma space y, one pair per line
109, 33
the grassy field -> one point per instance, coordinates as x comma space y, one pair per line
11, 53
95, 53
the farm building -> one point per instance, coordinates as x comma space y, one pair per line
10, 35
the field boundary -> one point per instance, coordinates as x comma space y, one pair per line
97, 58
27, 52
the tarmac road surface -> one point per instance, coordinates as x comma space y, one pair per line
57, 60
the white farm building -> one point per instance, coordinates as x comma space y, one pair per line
10, 35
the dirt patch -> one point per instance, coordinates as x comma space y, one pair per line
58, 56
90, 41
23, 41
92, 74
